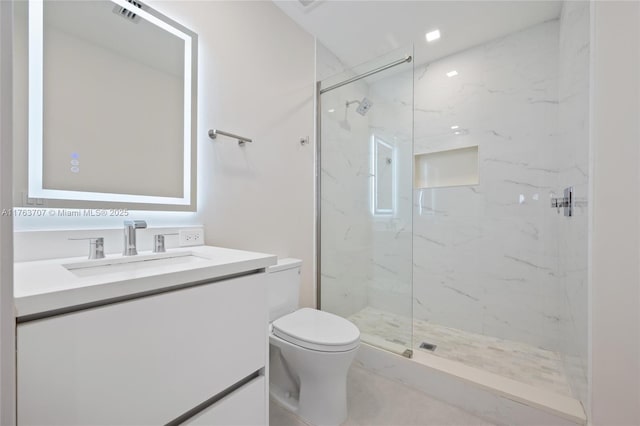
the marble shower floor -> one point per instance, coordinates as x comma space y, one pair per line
518, 361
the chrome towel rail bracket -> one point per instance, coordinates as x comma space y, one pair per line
213, 133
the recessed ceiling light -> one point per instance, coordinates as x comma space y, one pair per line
331, 110
452, 73
454, 127
433, 35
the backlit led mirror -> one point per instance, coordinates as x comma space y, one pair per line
110, 105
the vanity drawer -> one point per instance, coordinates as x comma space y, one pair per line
144, 361
245, 406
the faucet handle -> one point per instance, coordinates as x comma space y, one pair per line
96, 246
137, 224
158, 242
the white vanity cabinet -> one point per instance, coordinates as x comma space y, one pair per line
238, 408
150, 360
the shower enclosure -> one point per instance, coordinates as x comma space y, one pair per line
441, 203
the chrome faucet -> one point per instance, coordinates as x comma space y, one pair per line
130, 227
96, 246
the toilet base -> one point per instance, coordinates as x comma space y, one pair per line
286, 400
312, 384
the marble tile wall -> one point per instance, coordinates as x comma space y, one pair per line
345, 218
573, 170
485, 256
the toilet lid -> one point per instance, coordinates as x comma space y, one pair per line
317, 330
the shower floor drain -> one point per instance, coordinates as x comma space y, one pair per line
428, 346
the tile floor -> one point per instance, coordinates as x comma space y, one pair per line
376, 401
515, 360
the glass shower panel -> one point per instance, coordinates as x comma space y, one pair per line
366, 157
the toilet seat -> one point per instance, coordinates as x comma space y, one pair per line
317, 330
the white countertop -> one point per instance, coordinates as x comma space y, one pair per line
46, 285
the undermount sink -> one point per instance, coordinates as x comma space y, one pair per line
130, 263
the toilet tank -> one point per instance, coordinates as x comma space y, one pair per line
283, 287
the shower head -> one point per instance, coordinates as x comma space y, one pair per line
363, 106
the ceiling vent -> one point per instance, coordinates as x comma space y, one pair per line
129, 14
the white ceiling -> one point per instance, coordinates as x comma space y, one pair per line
358, 31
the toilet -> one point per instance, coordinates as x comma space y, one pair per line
310, 351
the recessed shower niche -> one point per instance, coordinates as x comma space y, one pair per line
452, 167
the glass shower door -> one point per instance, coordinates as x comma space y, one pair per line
365, 239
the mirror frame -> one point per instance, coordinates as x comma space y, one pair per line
377, 141
85, 199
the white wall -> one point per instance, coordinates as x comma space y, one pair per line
256, 79
7, 321
328, 66
615, 251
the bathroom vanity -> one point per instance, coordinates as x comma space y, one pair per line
172, 338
